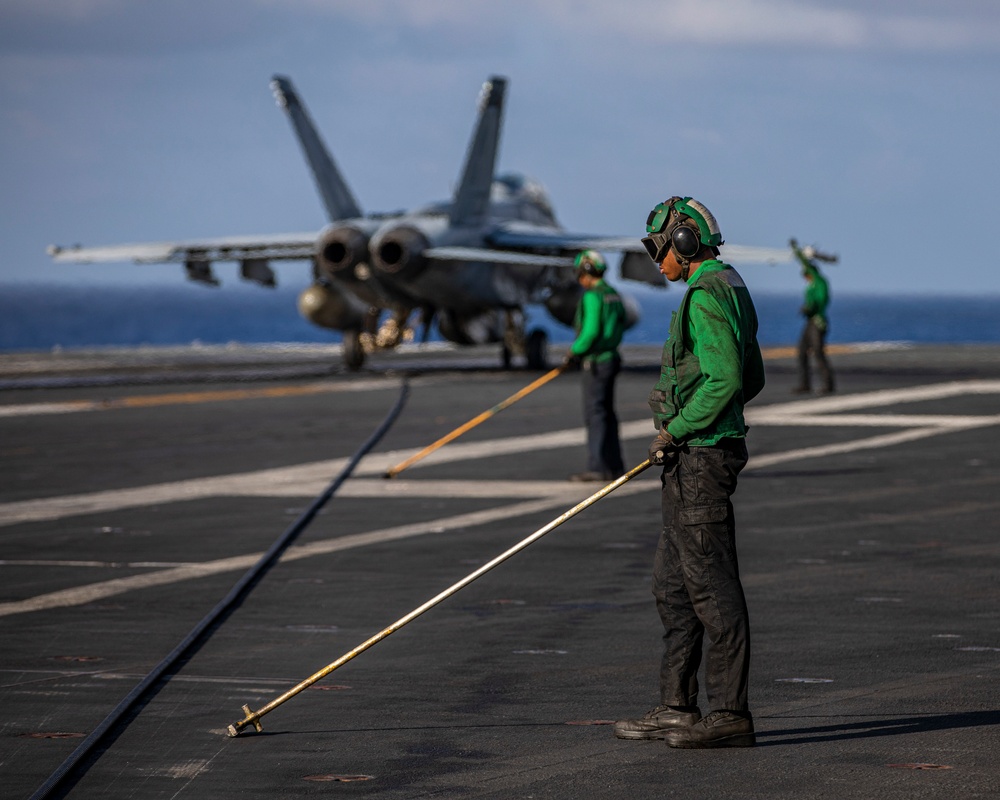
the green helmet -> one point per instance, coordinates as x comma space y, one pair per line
590, 262
660, 217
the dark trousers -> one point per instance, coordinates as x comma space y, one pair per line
813, 340
604, 450
696, 580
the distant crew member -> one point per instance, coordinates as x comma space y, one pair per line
599, 324
711, 366
813, 339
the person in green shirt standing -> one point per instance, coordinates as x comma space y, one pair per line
599, 324
813, 339
711, 367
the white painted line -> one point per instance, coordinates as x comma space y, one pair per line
98, 591
852, 446
36, 409
875, 421
912, 394
367, 487
557, 494
203, 396
96, 564
302, 480
306, 480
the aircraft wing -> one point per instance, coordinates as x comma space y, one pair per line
197, 255
626, 244
488, 256
233, 248
635, 264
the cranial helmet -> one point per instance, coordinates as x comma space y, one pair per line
682, 224
590, 262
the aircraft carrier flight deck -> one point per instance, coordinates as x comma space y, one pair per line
139, 487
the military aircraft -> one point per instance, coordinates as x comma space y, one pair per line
470, 264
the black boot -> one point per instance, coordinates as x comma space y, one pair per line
718, 729
656, 723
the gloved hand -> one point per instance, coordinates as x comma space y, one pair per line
660, 449
572, 361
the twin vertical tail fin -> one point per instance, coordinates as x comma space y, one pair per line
470, 204
472, 197
340, 203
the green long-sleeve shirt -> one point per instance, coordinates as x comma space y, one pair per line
600, 323
712, 364
816, 300
817, 296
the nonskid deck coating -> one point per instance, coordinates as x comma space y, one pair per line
868, 551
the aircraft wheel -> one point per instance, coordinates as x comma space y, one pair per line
505, 356
536, 349
354, 353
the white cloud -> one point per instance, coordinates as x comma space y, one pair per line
429, 27
770, 23
933, 25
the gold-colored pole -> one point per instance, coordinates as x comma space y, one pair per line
472, 423
253, 717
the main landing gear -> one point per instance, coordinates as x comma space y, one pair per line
533, 346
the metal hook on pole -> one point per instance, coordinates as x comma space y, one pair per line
253, 717
472, 423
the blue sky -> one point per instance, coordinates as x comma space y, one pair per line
866, 129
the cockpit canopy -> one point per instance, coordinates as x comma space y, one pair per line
512, 186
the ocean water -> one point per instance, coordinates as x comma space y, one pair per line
43, 317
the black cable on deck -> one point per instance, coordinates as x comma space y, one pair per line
201, 633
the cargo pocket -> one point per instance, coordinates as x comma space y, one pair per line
708, 533
704, 515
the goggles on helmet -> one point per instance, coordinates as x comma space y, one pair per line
657, 245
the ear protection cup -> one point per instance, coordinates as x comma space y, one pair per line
693, 227
590, 262
685, 241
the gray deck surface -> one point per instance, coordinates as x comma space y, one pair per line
133, 497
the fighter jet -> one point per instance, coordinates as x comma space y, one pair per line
471, 264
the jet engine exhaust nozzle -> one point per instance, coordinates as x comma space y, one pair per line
401, 253
340, 250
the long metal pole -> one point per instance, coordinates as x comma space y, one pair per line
253, 717
472, 423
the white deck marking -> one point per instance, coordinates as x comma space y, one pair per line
831, 404
853, 446
302, 480
309, 479
99, 591
178, 398
875, 420
306, 480
34, 562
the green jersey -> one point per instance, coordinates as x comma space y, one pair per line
817, 292
599, 323
711, 364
